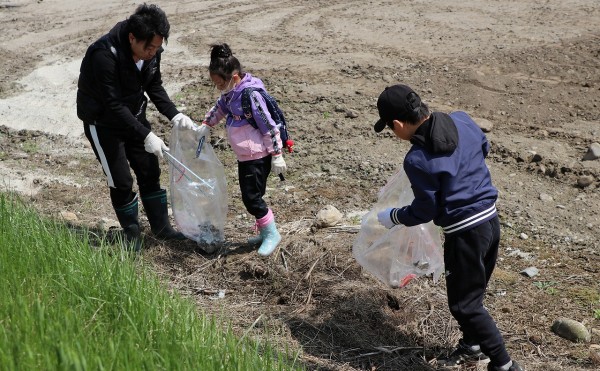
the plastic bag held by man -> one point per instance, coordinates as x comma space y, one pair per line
198, 188
397, 255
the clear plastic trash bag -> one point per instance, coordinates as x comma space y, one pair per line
198, 188
396, 256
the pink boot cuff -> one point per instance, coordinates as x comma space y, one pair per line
265, 220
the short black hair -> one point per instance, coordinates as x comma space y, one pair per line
147, 22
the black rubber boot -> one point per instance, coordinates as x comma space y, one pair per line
128, 218
155, 205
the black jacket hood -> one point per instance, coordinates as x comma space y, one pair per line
119, 36
438, 135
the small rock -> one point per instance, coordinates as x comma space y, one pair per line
593, 152
523, 236
571, 330
530, 272
351, 114
530, 156
328, 217
536, 157
585, 181
68, 216
542, 169
387, 78
520, 254
106, 224
485, 125
546, 197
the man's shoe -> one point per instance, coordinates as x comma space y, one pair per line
463, 354
514, 367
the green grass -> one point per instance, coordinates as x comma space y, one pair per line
67, 306
30, 147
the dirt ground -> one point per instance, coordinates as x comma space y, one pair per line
527, 69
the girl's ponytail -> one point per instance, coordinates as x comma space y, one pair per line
222, 61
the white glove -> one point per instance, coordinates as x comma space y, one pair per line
154, 144
278, 165
385, 218
182, 121
204, 131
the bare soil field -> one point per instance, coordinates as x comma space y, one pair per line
527, 69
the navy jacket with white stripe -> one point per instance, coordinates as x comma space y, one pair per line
450, 180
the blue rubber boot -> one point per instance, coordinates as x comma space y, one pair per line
271, 239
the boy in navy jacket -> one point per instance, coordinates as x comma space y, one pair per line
453, 187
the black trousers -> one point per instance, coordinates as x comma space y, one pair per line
470, 258
253, 177
117, 150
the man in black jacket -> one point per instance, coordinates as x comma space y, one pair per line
117, 72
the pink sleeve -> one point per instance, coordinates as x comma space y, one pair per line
214, 115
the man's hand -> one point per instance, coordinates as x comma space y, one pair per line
278, 165
154, 144
385, 218
182, 121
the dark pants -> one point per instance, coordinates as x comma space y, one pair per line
253, 177
470, 258
117, 150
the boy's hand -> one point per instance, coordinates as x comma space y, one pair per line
385, 218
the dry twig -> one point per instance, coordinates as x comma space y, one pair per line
307, 275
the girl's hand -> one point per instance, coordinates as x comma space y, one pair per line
204, 131
278, 165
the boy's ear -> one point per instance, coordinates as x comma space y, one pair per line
237, 78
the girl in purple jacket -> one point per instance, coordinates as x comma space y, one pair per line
258, 150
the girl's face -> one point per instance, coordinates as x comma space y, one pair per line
224, 86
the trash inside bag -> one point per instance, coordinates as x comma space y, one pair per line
198, 188
398, 255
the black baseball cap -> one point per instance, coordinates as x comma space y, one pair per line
397, 102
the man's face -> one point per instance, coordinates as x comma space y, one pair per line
143, 50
